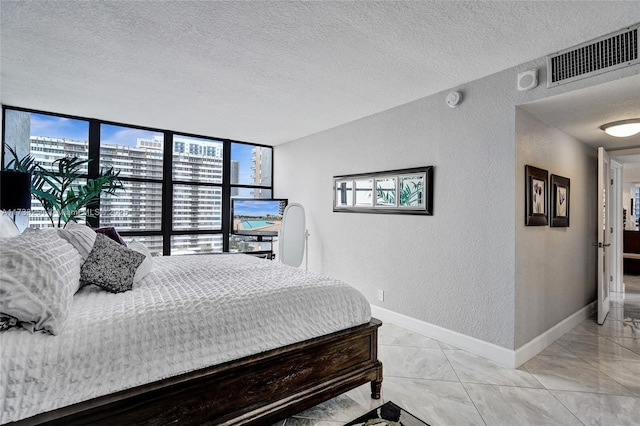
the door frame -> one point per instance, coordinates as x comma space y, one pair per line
615, 218
605, 230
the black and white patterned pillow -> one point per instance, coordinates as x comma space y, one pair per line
7, 321
110, 265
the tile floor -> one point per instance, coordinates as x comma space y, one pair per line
590, 376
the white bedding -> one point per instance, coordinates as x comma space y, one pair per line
190, 312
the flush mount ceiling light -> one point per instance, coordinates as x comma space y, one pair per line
623, 128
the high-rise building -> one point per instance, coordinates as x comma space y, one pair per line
235, 176
261, 169
139, 205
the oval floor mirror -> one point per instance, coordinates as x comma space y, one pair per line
292, 235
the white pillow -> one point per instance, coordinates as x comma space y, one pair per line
40, 274
8, 229
144, 268
80, 236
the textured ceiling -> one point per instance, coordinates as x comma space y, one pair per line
580, 113
270, 72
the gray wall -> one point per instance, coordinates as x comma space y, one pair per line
555, 267
631, 173
456, 269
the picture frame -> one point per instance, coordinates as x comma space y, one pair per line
560, 201
363, 192
536, 183
404, 191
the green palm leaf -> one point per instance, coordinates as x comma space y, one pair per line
60, 190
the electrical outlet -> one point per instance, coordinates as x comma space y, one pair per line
381, 295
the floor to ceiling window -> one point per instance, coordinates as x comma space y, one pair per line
250, 178
197, 181
177, 187
137, 154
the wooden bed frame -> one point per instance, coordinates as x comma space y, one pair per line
258, 389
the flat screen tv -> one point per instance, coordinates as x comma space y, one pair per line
257, 216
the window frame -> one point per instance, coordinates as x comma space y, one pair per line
167, 181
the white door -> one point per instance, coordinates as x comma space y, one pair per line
604, 234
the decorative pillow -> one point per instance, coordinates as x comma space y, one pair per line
80, 236
146, 265
111, 232
7, 322
111, 265
40, 274
8, 229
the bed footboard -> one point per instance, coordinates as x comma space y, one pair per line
258, 389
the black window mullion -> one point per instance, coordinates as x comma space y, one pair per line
198, 183
226, 195
140, 180
93, 168
4, 120
167, 193
240, 185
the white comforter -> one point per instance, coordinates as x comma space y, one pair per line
188, 313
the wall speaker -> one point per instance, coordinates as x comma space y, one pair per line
527, 80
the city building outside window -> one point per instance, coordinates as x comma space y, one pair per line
251, 177
196, 177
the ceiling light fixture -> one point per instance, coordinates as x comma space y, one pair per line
623, 128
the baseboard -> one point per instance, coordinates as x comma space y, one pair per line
495, 353
503, 356
538, 344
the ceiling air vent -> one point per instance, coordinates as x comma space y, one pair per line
613, 51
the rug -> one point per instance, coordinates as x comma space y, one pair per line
387, 414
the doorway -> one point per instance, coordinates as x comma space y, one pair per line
626, 300
625, 295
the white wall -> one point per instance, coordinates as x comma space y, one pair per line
631, 173
456, 269
555, 267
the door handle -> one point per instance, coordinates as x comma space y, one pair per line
601, 245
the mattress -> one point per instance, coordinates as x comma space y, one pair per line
190, 312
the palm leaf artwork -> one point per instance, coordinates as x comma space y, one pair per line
386, 192
386, 197
410, 193
60, 191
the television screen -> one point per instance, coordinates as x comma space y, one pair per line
257, 216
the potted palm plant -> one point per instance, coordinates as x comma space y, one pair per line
60, 191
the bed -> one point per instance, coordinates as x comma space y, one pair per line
201, 339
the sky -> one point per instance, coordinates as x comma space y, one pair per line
255, 207
69, 128
59, 127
